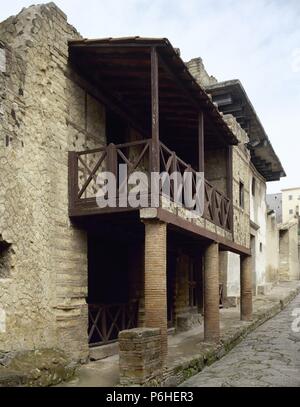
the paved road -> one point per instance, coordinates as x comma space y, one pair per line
268, 357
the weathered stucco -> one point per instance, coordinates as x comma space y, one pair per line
258, 215
197, 69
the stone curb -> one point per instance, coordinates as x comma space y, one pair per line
190, 367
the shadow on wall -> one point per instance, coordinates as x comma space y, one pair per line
6, 253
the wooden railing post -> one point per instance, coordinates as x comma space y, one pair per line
112, 162
155, 155
201, 141
73, 178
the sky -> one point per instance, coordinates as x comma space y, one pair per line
256, 41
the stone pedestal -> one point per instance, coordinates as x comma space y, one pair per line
140, 355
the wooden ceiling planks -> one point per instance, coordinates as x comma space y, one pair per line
122, 68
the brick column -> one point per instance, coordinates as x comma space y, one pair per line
211, 294
156, 280
246, 288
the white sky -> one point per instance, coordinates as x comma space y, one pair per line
257, 41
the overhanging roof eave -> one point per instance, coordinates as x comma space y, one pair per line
236, 83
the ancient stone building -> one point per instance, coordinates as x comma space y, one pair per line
264, 167
74, 275
286, 224
290, 204
288, 251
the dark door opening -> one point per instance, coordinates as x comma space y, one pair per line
110, 308
171, 273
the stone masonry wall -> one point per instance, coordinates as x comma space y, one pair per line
216, 169
43, 115
241, 161
288, 252
272, 249
258, 215
241, 173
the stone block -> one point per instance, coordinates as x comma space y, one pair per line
142, 361
231, 302
102, 352
185, 322
264, 289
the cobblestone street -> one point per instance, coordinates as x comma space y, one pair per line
269, 356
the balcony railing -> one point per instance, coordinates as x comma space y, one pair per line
85, 166
107, 320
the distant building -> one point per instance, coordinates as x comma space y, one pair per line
274, 202
290, 204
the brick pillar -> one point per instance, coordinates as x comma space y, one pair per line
156, 280
211, 294
246, 288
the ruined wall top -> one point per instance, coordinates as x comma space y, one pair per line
197, 69
236, 128
19, 30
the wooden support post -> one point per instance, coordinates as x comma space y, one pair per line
211, 294
155, 149
230, 183
73, 178
201, 141
246, 288
112, 164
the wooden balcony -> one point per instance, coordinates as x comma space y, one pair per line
85, 166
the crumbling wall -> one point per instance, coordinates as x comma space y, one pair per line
197, 69
240, 174
216, 168
43, 116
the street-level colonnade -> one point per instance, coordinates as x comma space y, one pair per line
156, 285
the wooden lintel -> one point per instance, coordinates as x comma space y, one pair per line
201, 141
177, 221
